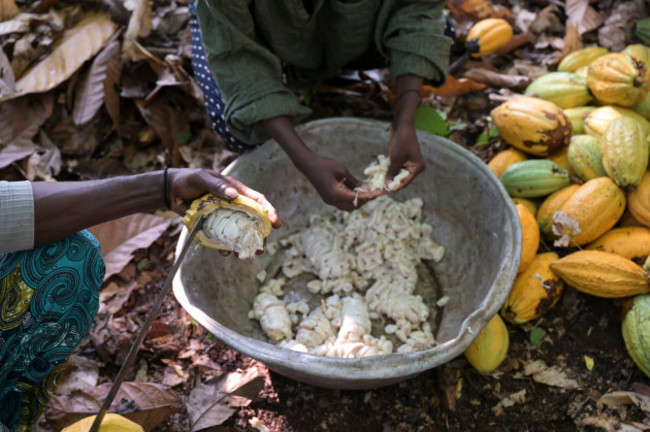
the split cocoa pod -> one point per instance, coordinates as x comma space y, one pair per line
239, 225
589, 212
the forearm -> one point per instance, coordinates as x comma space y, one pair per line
282, 131
64, 208
407, 100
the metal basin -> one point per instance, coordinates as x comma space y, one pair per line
471, 214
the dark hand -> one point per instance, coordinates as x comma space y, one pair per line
336, 185
404, 152
188, 184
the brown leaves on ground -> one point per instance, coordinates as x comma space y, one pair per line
91, 90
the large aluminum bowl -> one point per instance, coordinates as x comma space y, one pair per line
472, 216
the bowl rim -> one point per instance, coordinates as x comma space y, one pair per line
387, 366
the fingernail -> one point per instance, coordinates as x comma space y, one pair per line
231, 193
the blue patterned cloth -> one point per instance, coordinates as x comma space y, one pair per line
49, 297
214, 104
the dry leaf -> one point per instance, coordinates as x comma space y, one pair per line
7, 77
212, 403
171, 20
147, 404
474, 10
618, 29
68, 54
549, 375
140, 25
121, 237
608, 423
572, 41
453, 87
111, 92
8, 10
89, 95
167, 114
17, 129
80, 373
46, 162
498, 80
616, 399
581, 15
16, 151
113, 296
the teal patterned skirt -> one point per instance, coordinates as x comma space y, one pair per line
49, 297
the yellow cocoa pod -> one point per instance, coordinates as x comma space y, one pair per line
582, 71
629, 242
529, 204
601, 274
490, 347
624, 150
534, 126
598, 120
239, 225
595, 207
628, 219
536, 290
639, 52
638, 200
577, 117
487, 35
110, 423
529, 236
636, 332
618, 78
562, 159
504, 159
581, 58
549, 206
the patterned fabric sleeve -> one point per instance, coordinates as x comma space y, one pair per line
16, 216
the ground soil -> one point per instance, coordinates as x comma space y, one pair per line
454, 397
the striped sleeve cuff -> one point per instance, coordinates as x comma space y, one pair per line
16, 216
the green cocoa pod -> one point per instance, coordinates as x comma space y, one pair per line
577, 115
642, 30
534, 178
624, 148
643, 108
564, 89
585, 158
580, 58
636, 332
